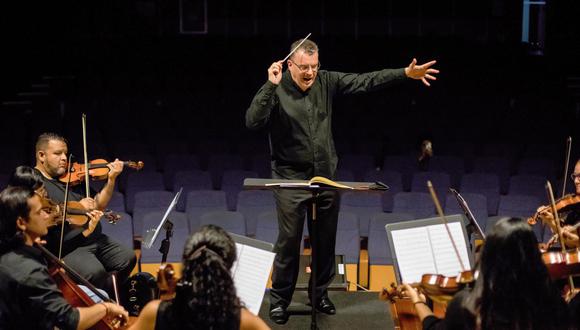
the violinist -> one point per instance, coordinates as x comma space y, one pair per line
512, 291
86, 249
29, 297
571, 218
205, 296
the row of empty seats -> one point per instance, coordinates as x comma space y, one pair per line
486, 184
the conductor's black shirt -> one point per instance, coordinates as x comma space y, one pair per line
300, 122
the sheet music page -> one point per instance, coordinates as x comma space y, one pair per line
250, 272
446, 261
414, 253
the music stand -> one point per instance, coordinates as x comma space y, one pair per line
165, 223
473, 226
315, 189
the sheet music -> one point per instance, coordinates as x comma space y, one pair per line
414, 253
445, 256
428, 250
250, 272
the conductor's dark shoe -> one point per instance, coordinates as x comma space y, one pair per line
278, 314
326, 306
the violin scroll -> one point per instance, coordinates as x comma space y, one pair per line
166, 281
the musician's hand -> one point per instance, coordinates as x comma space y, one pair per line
40, 241
88, 203
114, 310
94, 218
571, 236
412, 293
275, 72
421, 72
545, 214
115, 168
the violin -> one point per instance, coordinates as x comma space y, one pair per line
76, 213
166, 282
563, 204
98, 170
438, 288
562, 264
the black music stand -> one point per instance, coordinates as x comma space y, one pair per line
166, 224
315, 189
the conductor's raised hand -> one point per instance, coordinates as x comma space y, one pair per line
421, 72
275, 72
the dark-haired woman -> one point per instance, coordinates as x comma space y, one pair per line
205, 295
512, 290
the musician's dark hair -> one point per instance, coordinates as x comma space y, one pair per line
309, 47
513, 289
45, 138
13, 204
205, 295
26, 176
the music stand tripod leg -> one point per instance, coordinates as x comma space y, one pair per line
165, 244
313, 217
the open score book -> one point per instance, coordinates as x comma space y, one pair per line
427, 249
317, 181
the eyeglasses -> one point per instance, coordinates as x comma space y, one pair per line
306, 67
574, 176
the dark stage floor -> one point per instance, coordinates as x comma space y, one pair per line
355, 310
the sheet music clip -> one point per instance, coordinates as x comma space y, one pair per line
151, 234
378, 185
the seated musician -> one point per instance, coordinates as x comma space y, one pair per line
512, 290
26, 176
570, 218
205, 295
86, 249
29, 297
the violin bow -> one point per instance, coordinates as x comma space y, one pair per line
558, 226
568, 149
442, 216
84, 119
65, 206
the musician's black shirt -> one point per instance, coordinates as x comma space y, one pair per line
29, 297
73, 236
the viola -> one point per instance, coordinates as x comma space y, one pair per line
98, 170
563, 204
76, 214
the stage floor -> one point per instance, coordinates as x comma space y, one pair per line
354, 310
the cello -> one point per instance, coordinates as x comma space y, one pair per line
75, 296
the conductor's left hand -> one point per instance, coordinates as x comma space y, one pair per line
422, 72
